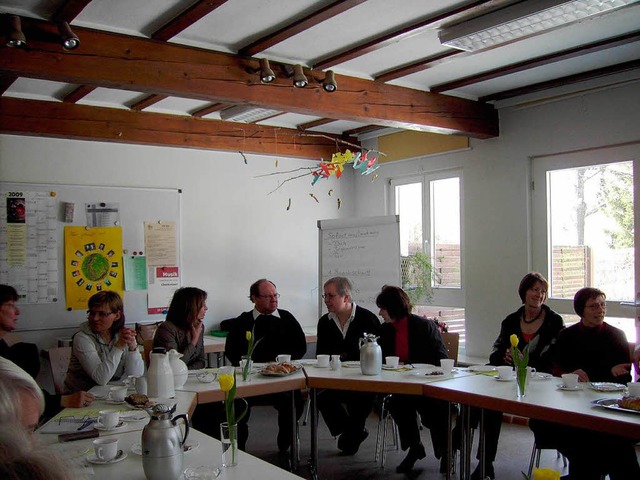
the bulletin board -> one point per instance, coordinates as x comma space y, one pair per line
365, 250
120, 209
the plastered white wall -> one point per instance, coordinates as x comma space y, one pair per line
233, 231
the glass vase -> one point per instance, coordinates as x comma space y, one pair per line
522, 380
246, 364
229, 439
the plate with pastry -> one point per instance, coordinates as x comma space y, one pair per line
139, 401
279, 369
624, 404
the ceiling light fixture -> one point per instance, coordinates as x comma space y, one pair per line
299, 79
266, 74
329, 83
246, 114
520, 20
15, 38
69, 39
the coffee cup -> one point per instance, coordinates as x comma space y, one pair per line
505, 372
323, 360
117, 394
106, 448
633, 389
447, 365
336, 363
531, 372
570, 380
282, 358
108, 418
392, 362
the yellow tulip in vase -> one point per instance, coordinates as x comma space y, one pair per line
520, 362
247, 362
229, 429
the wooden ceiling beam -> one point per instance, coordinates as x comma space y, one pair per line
420, 65
395, 36
561, 82
315, 123
214, 107
78, 94
135, 64
540, 61
298, 26
187, 18
83, 122
147, 102
69, 10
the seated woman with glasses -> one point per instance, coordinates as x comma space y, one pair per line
596, 352
103, 349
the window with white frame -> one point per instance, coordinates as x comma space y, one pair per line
584, 229
430, 211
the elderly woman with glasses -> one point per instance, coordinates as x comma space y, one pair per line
103, 349
596, 352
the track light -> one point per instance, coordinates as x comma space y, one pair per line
329, 83
15, 38
266, 74
299, 80
69, 39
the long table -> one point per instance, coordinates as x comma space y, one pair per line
543, 400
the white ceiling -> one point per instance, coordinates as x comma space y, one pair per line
236, 23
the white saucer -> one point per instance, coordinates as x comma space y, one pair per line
482, 368
504, 379
577, 388
395, 369
542, 376
351, 364
118, 458
136, 448
101, 427
322, 366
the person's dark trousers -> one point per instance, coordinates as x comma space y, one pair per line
590, 453
282, 403
207, 418
433, 414
492, 427
345, 411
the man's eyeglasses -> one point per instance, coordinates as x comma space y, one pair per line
329, 295
98, 314
275, 295
596, 306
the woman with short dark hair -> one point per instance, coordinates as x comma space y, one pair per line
415, 340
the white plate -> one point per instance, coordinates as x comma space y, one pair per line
612, 404
542, 376
422, 365
396, 369
607, 387
351, 364
482, 368
202, 472
577, 388
115, 402
505, 379
136, 448
134, 416
268, 373
102, 428
118, 458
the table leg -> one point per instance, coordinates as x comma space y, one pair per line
481, 443
449, 441
294, 438
465, 446
313, 461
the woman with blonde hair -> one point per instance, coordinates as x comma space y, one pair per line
103, 349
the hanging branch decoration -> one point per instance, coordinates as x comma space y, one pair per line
365, 161
314, 197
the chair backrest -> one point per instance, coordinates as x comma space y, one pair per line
59, 362
146, 331
452, 341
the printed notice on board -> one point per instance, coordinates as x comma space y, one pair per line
163, 281
160, 243
28, 245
